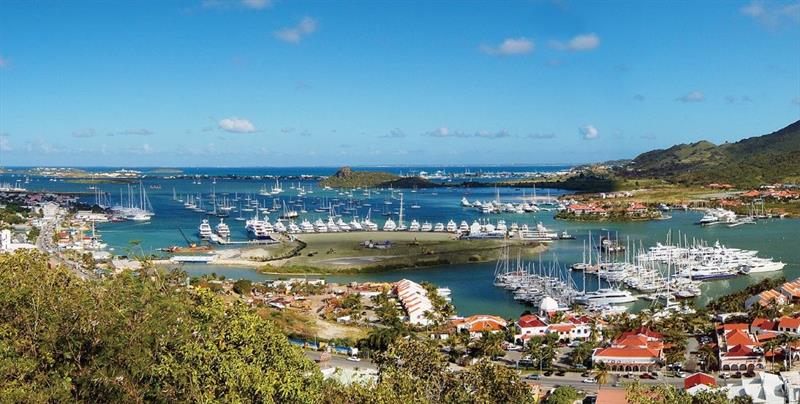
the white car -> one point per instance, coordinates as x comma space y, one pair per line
354, 359
590, 380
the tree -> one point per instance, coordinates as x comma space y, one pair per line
137, 337
490, 344
562, 395
708, 355
243, 287
601, 373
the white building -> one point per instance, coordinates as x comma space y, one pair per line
764, 388
414, 299
8, 245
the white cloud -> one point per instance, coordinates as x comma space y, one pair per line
257, 4
492, 135
578, 43
4, 144
589, 132
132, 132
540, 136
485, 134
692, 96
772, 14
304, 28
237, 125
395, 133
234, 4
144, 148
84, 133
510, 46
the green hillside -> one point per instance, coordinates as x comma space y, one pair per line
757, 160
347, 178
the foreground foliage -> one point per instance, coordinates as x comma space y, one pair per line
137, 337
146, 336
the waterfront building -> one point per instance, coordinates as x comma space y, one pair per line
764, 388
739, 349
478, 324
414, 299
640, 350
698, 382
529, 326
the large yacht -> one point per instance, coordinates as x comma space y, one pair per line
390, 225
605, 296
204, 230
451, 227
223, 230
439, 227
757, 265
414, 226
256, 228
540, 234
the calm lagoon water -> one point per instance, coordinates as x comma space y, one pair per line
471, 284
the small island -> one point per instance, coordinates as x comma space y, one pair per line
345, 177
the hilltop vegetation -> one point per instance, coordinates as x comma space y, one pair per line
345, 177
147, 337
757, 160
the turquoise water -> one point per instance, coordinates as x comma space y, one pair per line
471, 284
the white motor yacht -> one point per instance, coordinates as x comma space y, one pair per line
223, 230
426, 227
390, 225
451, 227
204, 230
439, 227
605, 296
414, 226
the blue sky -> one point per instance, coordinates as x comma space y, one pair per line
288, 83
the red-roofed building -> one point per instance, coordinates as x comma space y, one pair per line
480, 323
699, 378
639, 350
789, 324
739, 349
766, 298
529, 326
760, 325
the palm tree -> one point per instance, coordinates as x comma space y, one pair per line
601, 373
786, 341
770, 346
709, 356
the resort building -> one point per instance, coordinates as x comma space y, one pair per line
739, 349
478, 324
699, 382
787, 293
640, 350
414, 299
764, 388
789, 325
529, 326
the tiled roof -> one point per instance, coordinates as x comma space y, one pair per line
529, 321
739, 337
614, 352
740, 351
789, 322
699, 378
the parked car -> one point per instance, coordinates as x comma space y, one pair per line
590, 380
682, 374
533, 376
646, 376
354, 359
560, 373
548, 373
